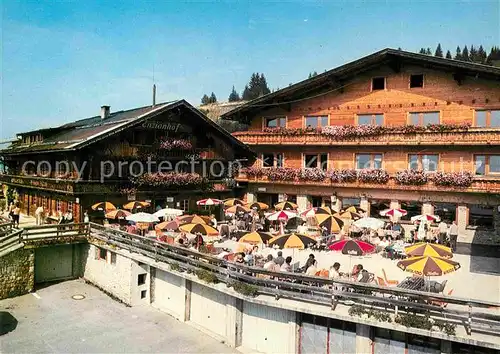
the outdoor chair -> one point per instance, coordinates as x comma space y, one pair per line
442, 304
389, 282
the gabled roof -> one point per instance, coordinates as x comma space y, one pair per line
84, 132
339, 75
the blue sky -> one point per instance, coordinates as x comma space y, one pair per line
62, 60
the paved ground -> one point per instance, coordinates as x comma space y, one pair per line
55, 323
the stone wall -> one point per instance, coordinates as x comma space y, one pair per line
17, 273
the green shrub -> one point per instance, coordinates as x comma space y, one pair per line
413, 320
245, 289
448, 328
175, 266
206, 276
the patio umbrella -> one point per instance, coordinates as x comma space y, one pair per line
331, 222
397, 213
355, 209
209, 202
282, 215
255, 238
233, 201
238, 209
425, 217
192, 219
286, 206
309, 213
168, 225
348, 214
117, 214
292, 241
352, 247
168, 212
428, 249
103, 206
203, 229
428, 265
135, 205
369, 223
143, 218
325, 210
257, 205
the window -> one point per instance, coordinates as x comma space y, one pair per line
416, 80
428, 163
275, 122
488, 119
272, 160
58, 205
185, 204
143, 294
113, 258
141, 279
486, 164
70, 207
368, 161
101, 253
424, 118
371, 119
316, 121
316, 161
378, 83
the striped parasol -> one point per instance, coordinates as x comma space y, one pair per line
168, 225
135, 205
257, 206
286, 206
203, 229
292, 241
309, 213
209, 202
325, 210
348, 214
233, 201
255, 238
355, 209
428, 265
332, 222
428, 249
352, 247
394, 212
238, 209
282, 215
192, 219
103, 206
425, 217
117, 214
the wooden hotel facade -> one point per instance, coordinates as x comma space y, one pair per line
101, 158
393, 129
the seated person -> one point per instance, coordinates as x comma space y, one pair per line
287, 266
356, 272
240, 258
335, 271
270, 265
310, 261
312, 269
365, 276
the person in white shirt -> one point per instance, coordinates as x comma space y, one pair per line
335, 271
287, 266
86, 217
270, 265
443, 229
213, 220
39, 215
312, 269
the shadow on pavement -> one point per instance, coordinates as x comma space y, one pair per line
8, 323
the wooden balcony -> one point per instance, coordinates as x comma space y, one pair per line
474, 136
480, 185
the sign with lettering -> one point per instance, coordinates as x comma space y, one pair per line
173, 127
42, 184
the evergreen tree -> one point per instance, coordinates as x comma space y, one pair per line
494, 57
458, 55
422, 51
256, 87
473, 55
263, 88
246, 95
481, 55
313, 74
428, 51
399, 48
205, 100
212, 98
448, 55
439, 51
234, 97
465, 54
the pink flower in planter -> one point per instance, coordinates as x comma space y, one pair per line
281, 174
311, 174
411, 177
378, 176
168, 179
176, 144
453, 179
342, 176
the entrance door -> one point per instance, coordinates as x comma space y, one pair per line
54, 263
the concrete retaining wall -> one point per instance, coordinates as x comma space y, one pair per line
17, 273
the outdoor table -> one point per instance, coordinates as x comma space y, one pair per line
412, 283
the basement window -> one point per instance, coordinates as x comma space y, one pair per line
378, 83
143, 294
101, 253
141, 279
416, 80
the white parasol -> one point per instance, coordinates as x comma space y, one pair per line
143, 217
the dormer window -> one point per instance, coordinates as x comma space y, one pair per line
378, 83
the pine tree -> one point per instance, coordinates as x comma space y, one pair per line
205, 100
448, 55
246, 94
458, 55
256, 87
422, 51
313, 74
263, 88
481, 55
473, 54
399, 48
494, 57
439, 51
465, 54
234, 97
212, 98
428, 51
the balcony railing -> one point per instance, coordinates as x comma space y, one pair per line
473, 136
479, 185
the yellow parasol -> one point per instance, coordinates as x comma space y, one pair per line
292, 241
428, 265
103, 206
232, 202
332, 222
286, 206
428, 249
117, 214
255, 238
238, 209
257, 206
203, 229
135, 205
192, 219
